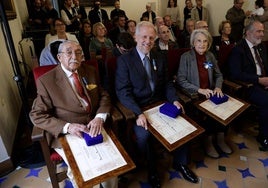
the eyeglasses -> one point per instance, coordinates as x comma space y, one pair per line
77, 53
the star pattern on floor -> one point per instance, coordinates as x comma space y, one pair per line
34, 172
224, 155
245, 173
68, 184
200, 164
144, 184
241, 145
264, 162
221, 184
174, 174
2, 180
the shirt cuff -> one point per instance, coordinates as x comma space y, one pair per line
65, 128
103, 116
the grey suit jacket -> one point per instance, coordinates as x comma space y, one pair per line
57, 104
188, 76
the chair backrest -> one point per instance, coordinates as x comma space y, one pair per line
174, 56
224, 52
39, 71
110, 66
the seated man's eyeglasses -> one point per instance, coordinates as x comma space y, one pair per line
77, 53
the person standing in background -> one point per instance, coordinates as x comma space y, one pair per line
117, 11
187, 11
80, 10
264, 19
200, 12
174, 11
97, 14
237, 17
149, 13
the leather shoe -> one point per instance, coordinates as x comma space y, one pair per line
263, 141
187, 173
154, 180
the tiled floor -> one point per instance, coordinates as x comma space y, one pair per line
246, 167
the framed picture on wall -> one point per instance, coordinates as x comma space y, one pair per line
88, 3
10, 9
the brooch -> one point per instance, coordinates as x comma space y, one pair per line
208, 65
91, 86
154, 64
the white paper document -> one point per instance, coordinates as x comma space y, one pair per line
95, 160
223, 110
172, 129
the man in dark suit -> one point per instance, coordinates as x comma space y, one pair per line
117, 11
149, 13
98, 14
80, 10
137, 87
120, 28
250, 65
61, 109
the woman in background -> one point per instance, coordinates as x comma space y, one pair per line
85, 37
131, 27
59, 32
173, 11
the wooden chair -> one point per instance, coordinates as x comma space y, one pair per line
51, 157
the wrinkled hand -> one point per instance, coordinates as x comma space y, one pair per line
95, 126
179, 106
206, 92
142, 121
77, 129
217, 91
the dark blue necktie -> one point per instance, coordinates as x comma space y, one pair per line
147, 66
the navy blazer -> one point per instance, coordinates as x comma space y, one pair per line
242, 65
132, 85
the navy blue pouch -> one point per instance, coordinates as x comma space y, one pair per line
219, 100
170, 110
92, 140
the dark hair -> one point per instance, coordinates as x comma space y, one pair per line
128, 21
259, 3
54, 47
221, 26
175, 3
126, 40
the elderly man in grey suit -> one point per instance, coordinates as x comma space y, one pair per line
62, 108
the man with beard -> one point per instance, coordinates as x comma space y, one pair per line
97, 14
248, 63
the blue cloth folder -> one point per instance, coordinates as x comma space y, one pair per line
170, 110
92, 140
219, 100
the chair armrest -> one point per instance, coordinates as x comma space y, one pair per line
116, 115
37, 134
232, 85
192, 94
244, 84
128, 114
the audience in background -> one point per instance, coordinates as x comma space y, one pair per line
237, 17
200, 12
222, 45
149, 13
117, 11
69, 17
51, 12
264, 19
131, 27
124, 43
187, 11
173, 28
201, 24
184, 39
85, 37
80, 11
59, 33
37, 16
174, 11
97, 14
120, 22
49, 53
